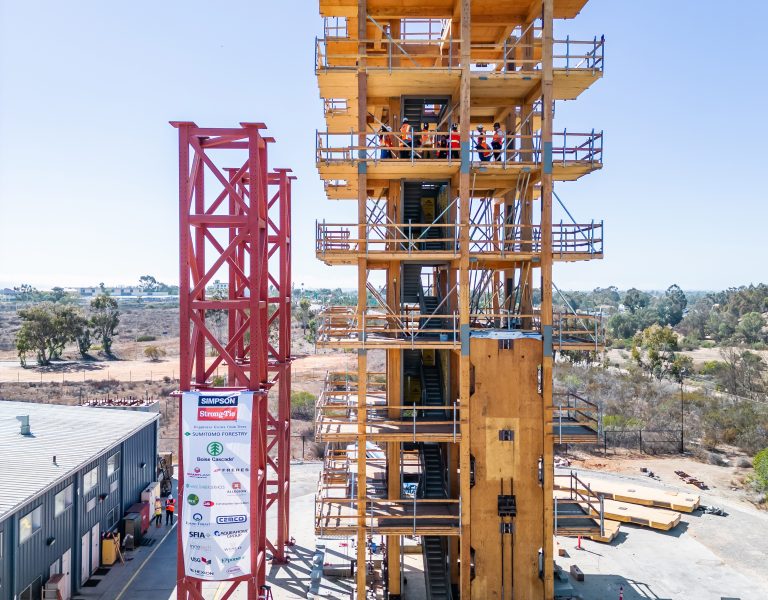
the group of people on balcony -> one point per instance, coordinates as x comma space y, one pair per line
421, 142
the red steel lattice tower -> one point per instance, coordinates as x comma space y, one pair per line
235, 225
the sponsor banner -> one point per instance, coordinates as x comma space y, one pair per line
215, 524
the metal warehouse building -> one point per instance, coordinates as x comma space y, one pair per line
65, 479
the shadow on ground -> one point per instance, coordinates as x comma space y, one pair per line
610, 587
294, 577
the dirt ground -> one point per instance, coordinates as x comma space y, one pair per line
705, 557
699, 356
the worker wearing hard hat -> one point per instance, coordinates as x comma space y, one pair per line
496, 141
455, 141
481, 145
406, 139
170, 507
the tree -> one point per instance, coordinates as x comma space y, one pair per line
106, 318
622, 326
304, 305
740, 373
46, 329
654, 350
750, 327
634, 299
68, 321
694, 323
217, 315
147, 283
672, 306
26, 293
57, 294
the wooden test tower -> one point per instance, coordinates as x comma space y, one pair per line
452, 445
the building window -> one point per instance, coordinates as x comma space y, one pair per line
111, 519
30, 523
90, 505
63, 500
113, 463
90, 480
113, 486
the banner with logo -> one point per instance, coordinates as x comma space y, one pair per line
215, 527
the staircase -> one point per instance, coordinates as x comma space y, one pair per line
433, 548
410, 289
428, 306
434, 233
432, 392
413, 108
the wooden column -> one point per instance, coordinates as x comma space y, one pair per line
546, 290
362, 297
464, 364
394, 394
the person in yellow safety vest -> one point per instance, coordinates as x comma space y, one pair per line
406, 138
158, 512
482, 147
170, 506
497, 141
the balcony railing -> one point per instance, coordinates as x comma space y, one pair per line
515, 149
496, 239
509, 56
576, 419
336, 502
337, 416
578, 511
342, 326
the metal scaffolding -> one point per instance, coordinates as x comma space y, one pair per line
235, 226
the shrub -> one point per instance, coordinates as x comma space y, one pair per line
154, 353
302, 405
146, 338
316, 450
218, 381
711, 367
689, 343
760, 478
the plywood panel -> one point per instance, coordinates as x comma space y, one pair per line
506, 397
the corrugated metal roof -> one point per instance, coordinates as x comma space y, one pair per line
76, 435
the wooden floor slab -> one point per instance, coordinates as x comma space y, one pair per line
655, 518
638, 494
611, 531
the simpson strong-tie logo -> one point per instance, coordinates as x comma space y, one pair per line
217, 408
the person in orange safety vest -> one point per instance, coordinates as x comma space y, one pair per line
455, 139
482, 147
406, 138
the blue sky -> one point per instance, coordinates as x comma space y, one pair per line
88, 162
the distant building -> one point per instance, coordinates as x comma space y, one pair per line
66, 479
218, 286
7, 295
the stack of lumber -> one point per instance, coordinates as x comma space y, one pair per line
632, 493
627, 502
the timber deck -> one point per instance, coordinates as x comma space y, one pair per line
637, 494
